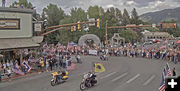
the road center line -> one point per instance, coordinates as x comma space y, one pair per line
130, 80
108, 75
149, 80
119, 77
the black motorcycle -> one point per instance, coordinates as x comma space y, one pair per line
88, 82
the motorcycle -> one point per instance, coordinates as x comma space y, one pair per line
88, 82
55, 75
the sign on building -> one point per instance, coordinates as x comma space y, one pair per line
9, 24
37, 27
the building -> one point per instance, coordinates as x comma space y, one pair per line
16, 30
116, 40
156, 35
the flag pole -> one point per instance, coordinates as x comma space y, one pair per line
93, 65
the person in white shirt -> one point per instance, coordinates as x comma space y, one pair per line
9, 73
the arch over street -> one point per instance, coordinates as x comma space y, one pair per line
86, 37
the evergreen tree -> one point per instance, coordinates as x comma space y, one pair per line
126, 17
134, 17
119, 16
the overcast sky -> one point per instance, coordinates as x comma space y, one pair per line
142, 6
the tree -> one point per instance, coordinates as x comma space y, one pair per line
119, 16
126, 17
129, 35
134, 17
78, 14
54, 16
95, 11
25, 3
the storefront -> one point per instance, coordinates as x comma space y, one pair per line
16, 33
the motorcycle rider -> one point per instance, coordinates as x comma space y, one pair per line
91, 76
59, 76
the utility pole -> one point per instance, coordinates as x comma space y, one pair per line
106, 35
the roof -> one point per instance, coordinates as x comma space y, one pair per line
6, 44
19, 10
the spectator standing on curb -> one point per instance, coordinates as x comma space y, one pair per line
4, 67
174, 71
42, 63
51, 64
9, 73
47, 65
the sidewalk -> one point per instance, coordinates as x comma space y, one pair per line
15, 76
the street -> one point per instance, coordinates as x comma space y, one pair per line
122, 74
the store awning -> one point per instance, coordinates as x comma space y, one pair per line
6, 44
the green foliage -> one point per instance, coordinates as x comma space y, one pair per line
55, 15
95, 12
135, 17
22, 2
78, 14
173, 31
113, 16
129, 35
170, 21
126, 17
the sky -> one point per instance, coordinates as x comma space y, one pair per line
142, 6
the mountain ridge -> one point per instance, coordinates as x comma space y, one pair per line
163, 15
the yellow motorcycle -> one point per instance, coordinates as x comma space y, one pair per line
55, 80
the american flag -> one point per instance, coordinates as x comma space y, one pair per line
165, 72
17, 70
162, 85
168, 70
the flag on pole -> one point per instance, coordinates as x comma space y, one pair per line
28, 68
99, 67
162, 84
168, 70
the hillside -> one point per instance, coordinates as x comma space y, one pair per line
157, 17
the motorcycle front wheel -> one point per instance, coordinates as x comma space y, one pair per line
82, 86
53, 82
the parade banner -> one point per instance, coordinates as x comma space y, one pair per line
93, 52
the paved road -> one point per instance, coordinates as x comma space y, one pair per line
122, 74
